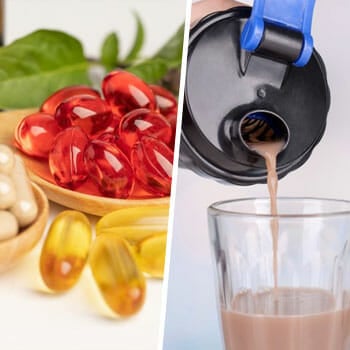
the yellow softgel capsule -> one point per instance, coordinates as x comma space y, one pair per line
150, 255
117, 275
65, 250
135, 224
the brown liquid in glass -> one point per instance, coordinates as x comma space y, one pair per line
284, 318
254, 325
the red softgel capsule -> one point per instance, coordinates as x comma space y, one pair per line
110, 169
113, 139
66, 159
167, 105
152, 163
35, 134
172, 120
92, 114
125, 92
108, 137
166, 101
52, 102
144, 122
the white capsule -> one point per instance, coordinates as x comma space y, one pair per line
7, 192
7, 159
8, 225
25, 208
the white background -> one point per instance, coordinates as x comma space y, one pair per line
31, 318
191, 311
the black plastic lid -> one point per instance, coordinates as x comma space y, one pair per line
224, 84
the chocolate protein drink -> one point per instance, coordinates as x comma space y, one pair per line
306, 320
284, 318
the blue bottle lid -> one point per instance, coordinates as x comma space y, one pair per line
292, 16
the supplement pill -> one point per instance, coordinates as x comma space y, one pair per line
7, 192
7, 160
135, 224
35, 134
66, 159
152, 161
125, 92
65, 250
110, 169
25, 208
144, 122
166, 101
53, 101
117, 275
90, 113
8, 225
151, 255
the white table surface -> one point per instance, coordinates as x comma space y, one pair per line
31, 318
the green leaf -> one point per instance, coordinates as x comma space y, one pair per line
171, 51
150, 71
33, 67
110, 51
138, 42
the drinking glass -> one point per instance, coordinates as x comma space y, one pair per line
301, 304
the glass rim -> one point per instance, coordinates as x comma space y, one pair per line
214, 209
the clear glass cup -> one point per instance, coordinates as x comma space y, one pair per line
287, 290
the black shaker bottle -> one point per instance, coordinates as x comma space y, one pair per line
251, 68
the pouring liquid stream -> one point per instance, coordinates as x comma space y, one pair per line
263, 140
269, 150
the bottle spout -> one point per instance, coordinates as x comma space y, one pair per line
263, 126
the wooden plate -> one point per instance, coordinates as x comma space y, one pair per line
38, 172
11, 250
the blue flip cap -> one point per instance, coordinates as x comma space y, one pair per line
290, 14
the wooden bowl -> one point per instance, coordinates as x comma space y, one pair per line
38, 172
11, 250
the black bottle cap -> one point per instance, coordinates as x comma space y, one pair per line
224, 85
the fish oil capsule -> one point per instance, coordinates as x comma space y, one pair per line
35, 134
66, 158
152, 162
25, 208
125, 92
92, 114
65, 250
117, 275
151, 255
8, 225
7, 159
135, 224
110, 169
143, 122
53, 101
7, 192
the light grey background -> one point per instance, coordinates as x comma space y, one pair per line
191, 321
